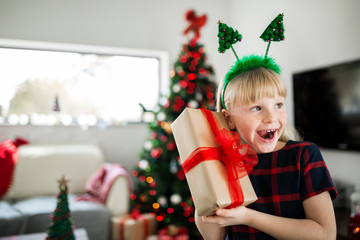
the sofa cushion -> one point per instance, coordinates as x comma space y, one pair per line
94, 217
39, 167
12, 222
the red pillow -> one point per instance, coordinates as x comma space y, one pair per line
8, 159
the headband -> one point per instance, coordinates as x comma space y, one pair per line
228, 36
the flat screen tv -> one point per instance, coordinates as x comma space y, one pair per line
327, 105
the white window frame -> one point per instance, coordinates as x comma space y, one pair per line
162, 56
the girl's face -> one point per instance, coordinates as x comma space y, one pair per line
261, 123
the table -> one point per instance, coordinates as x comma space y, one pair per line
80, 234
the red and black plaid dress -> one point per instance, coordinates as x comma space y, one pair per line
282, 181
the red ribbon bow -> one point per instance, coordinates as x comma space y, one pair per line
238, 158
135, 213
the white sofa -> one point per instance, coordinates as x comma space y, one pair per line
32, 196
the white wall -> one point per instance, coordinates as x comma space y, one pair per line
318, 33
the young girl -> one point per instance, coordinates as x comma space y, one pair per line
291, 180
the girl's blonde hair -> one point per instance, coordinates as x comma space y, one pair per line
252, 85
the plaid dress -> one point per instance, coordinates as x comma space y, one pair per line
282, 181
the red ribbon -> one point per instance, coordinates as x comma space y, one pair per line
134, 214
239, 159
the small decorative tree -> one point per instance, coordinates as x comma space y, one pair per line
227, 37
274, 32
61, 226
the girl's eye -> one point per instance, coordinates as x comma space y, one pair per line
279, 105
255, 109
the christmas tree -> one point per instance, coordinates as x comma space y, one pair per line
160, 184
61, 226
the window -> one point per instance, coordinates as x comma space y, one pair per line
48, 83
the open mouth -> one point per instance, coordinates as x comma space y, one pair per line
267, 134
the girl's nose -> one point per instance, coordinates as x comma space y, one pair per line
269, 117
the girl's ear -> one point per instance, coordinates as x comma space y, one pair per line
228, 119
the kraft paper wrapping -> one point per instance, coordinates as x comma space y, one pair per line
208, 181
133, 229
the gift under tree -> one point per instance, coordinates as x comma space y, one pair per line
160, 185
61, 226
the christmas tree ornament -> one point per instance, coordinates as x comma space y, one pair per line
176, 88
274, 32
193, 104
143, 164
173, 166
162, 200
148, 145
175, 199
161, 116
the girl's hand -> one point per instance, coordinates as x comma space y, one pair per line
228, 217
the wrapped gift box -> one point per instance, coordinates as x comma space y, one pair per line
133, 227
208, 180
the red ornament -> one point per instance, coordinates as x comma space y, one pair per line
180, 175
181, 73
171, 146
194, 62
153, 135
152, 184
183, 59
176, 108
135, 173
191, 76
166, 105
159, 218
193, 43
156, 153
163, 138
183, 83
132, 196
202, 71
196, 57
191, 85
189, 209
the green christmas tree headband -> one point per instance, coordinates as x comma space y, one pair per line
228, 36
